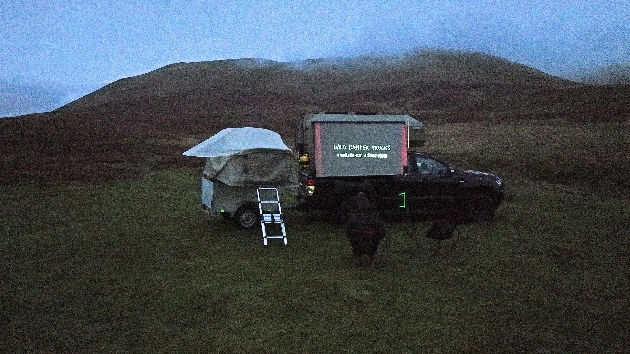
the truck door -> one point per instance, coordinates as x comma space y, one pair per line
430, 187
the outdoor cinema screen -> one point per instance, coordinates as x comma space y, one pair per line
359, 149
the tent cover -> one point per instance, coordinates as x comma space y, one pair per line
246, 157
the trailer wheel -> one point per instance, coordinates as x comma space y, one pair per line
246, 216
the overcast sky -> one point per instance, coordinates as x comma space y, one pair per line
70, 47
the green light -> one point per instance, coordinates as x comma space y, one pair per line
403, 199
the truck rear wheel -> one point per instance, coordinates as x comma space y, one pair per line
246, 216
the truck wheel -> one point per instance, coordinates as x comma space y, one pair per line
246, 217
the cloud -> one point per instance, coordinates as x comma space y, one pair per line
18, 98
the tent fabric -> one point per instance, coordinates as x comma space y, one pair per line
247, 157
253, 167
231, 141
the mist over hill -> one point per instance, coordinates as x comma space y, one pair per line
146, 121
618, 74
18, 98
431, 85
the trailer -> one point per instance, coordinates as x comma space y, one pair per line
239, 161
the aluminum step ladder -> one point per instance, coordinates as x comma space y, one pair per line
271, 214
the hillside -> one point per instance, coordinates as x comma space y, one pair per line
145, 122
431, 84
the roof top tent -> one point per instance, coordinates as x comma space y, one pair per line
238, 161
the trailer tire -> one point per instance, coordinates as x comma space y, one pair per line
246, 216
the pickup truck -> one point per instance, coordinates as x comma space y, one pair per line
428, 189
342, 154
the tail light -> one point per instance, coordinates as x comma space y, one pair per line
310, 186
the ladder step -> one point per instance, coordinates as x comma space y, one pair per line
272, 221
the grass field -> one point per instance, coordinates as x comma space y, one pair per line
591, 157
135, 266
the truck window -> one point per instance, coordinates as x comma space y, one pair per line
427, 166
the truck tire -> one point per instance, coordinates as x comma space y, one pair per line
246, 216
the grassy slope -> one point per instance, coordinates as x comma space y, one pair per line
589, 157
135, 266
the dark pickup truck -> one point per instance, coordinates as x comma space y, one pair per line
429, 189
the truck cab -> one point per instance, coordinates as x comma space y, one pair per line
435, 188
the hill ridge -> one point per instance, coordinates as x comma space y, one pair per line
342, 74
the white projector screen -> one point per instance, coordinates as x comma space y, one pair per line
359, 149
